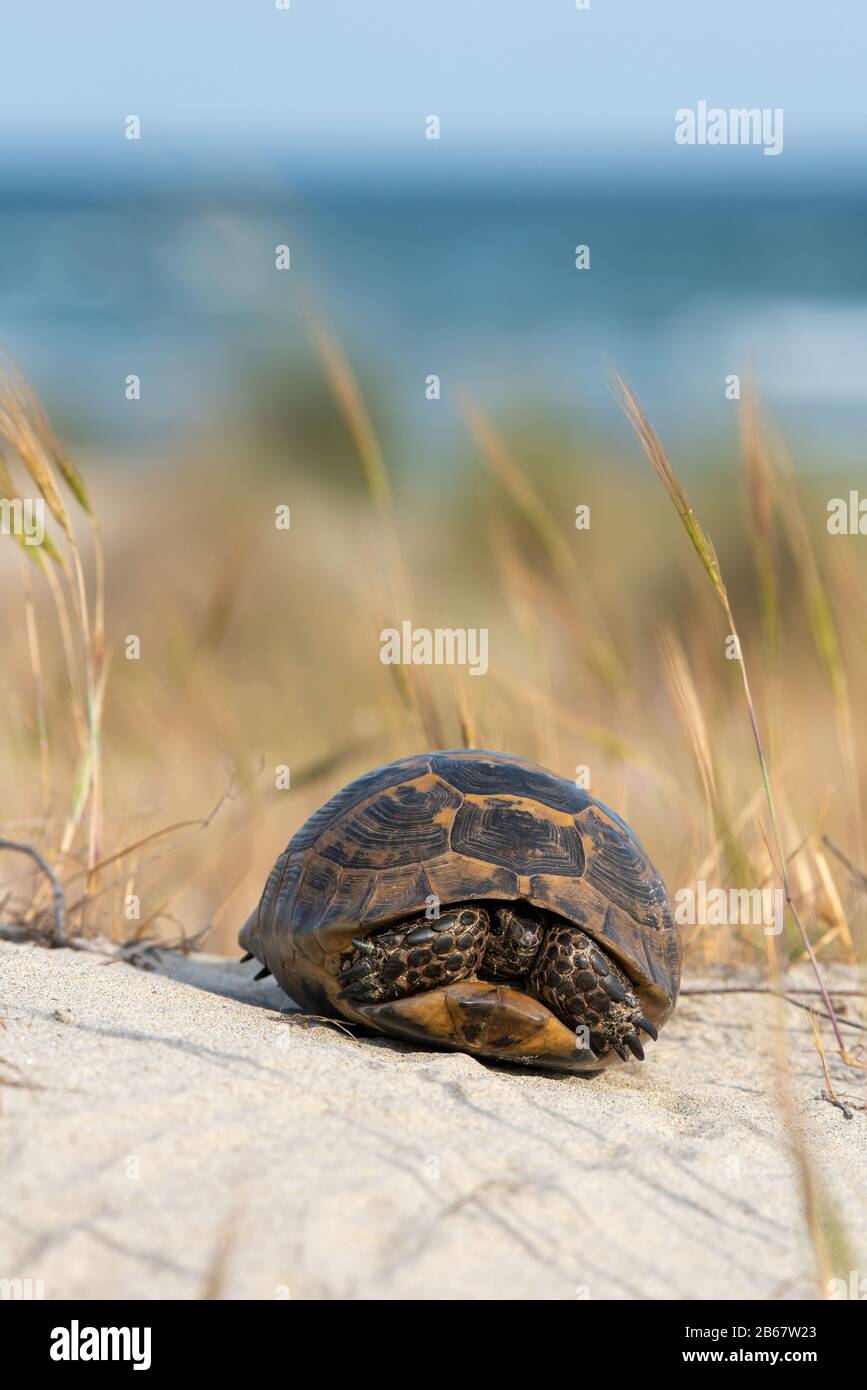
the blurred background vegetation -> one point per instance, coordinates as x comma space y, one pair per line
155, 777
260, 649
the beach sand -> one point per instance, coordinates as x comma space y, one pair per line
178, 1132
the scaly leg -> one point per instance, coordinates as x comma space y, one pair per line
414, 956
580, 984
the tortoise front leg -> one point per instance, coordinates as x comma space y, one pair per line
415, 956
585, 989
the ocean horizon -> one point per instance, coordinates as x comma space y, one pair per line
475, 284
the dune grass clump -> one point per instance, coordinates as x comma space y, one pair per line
29, 445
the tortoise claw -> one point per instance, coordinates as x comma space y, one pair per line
648, 1027
354, 990
634, 1044
354, 972
262, 973
248, 956
621, 1051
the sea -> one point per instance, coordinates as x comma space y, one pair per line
480, 290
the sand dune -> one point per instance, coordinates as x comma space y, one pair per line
183, 1134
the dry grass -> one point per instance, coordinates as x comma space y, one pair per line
827, 1235
829, 648
260, 648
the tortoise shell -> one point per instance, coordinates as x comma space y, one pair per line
464, 826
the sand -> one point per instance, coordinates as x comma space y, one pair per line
183, 1134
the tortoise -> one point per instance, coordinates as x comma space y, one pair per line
473, 901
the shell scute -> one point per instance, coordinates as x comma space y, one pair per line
316, 888
518, 834
397, 892
362, 789
404, 824
492, 775
619, 869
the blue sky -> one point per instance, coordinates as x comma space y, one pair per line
340, 83
239, 98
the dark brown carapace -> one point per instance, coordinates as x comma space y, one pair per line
470, 900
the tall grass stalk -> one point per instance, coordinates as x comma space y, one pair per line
692, 717
820, 617
823, 1226
759, 477
38, 685
413, 683
520, 489
28, 437
704, 548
